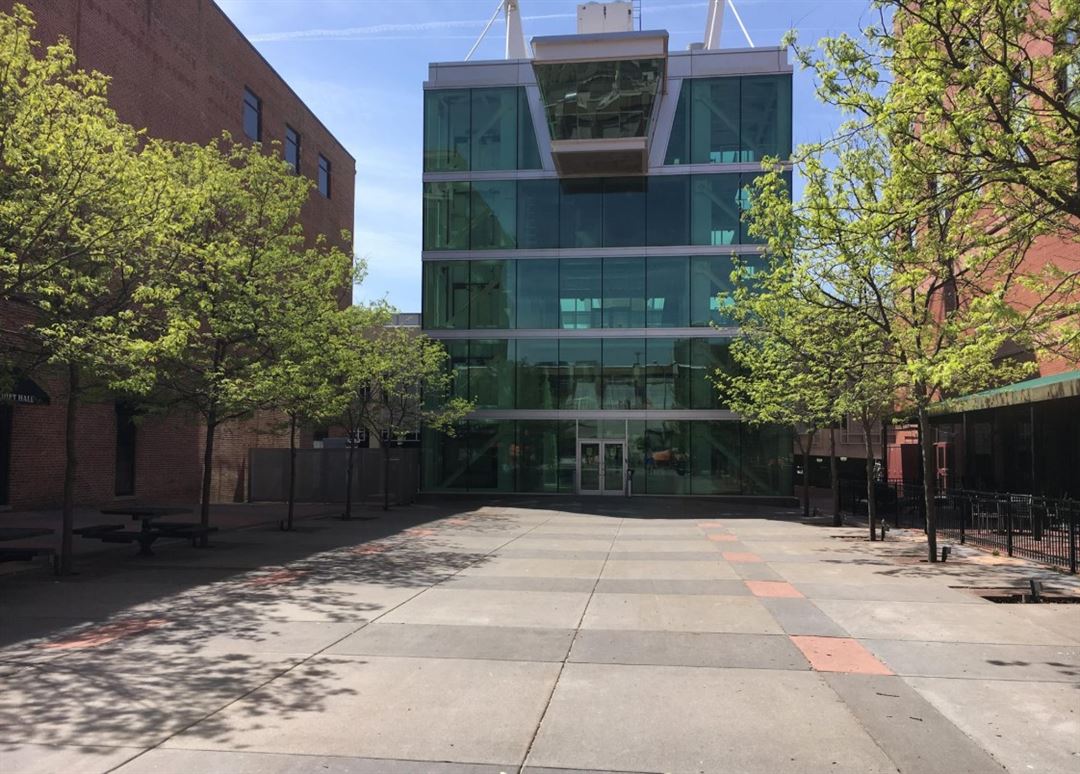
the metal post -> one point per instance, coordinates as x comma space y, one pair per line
965, 512
1072, 540
1008, 528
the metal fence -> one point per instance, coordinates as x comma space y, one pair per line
320, 475
1043, 529
900, 503
1040, 528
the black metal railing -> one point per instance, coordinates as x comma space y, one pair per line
1043, 529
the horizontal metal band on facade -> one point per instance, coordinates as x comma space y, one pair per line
677, 251
616, 414
700, 332
544, 174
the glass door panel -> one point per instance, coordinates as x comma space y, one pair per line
589, 465
613, 468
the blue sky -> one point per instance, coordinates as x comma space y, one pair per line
360, 65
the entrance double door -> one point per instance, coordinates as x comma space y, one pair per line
601, 467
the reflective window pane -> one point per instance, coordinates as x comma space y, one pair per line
537, 374
666, 458
624, 212
538, 214
714, 119
714, 458
538, 293
446, 216
765, 112
494, 215
580, 293
494, 128
667, 298
624, 373
579, 373
445, 459
669, 210
446, 294
446, 130
491, 303
598, 99
707, 356
668, 374
545, 456
491, 373
624, 292
528, 150
490, 443
710, 275
715, 209
457, 360
766, 460
581, 213
678, 150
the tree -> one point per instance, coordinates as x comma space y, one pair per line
317, 364
82, 207
245, 277
409, 388
782, 377
920, 282
991, 87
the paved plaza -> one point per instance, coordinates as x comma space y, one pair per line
539, 636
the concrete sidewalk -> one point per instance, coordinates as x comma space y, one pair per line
540, 636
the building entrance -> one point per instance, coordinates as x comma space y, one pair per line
601, 467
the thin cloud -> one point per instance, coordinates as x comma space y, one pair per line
395, 30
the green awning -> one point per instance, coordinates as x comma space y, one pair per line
1056, 387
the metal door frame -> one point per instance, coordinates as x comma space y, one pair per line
601, 443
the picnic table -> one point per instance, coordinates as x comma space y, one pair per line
23, 553
151, 528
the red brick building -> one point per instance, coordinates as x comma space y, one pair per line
183, 71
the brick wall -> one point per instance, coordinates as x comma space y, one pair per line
178, 69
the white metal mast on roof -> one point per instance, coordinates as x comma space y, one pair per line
515, 36
714, 23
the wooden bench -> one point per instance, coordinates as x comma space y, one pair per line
97, 530
187, 530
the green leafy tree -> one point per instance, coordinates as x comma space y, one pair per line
82, 209
245, 277
409, 387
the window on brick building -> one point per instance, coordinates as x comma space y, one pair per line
324, 176
252, 115
124, 482
292, 148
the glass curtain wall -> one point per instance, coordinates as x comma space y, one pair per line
478, 129
669, 210
679, 457
581, 293
731, 120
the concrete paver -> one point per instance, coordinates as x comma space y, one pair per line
603, 636
456, 710
678, 719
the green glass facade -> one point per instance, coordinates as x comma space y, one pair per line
661, 211
610, 351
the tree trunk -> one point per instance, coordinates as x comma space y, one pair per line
349, 476
71, 464
926, 443
871, 488
834, 476
386, 476
292, 472
207, 473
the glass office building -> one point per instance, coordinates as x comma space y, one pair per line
581, 217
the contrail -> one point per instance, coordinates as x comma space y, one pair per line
381, 30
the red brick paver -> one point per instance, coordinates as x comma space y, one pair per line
760, 588
723, 538
740, 557
839, 654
